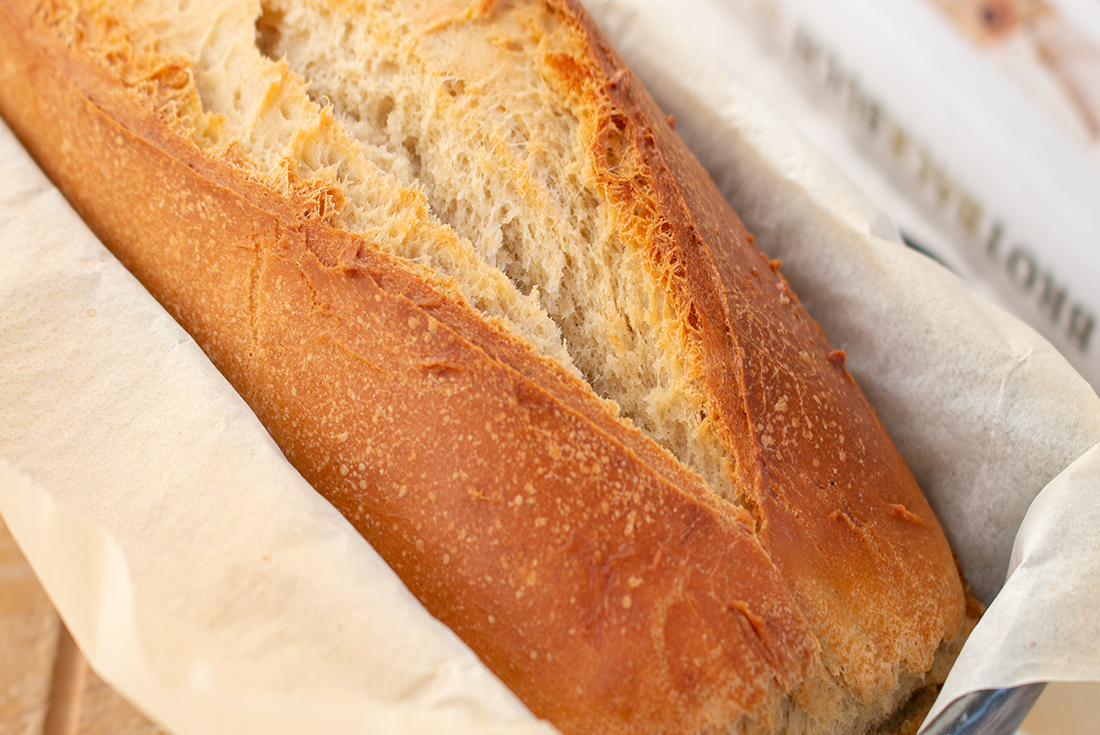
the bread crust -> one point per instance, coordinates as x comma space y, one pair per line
598, 577
834, 503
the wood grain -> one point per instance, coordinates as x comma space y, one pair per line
46, 686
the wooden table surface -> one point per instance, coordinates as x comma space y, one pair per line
46, 687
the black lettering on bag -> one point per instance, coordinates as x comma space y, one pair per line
1081, 325
1022, 268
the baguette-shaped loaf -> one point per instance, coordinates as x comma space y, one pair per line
490, 306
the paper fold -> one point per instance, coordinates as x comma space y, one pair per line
1043, 625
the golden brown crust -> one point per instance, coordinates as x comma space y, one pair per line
837, 509
600, 579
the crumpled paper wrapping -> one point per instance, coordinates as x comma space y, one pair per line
207, 582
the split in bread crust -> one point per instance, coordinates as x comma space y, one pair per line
478, 290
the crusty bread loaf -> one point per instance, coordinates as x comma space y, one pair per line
489, 305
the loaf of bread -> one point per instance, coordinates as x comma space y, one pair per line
490, 306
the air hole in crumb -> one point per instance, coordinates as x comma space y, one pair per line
411, 144
508, 257
269, 33
382, 112
454, 88
693, 318
614, 146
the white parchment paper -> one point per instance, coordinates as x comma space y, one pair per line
209, 584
